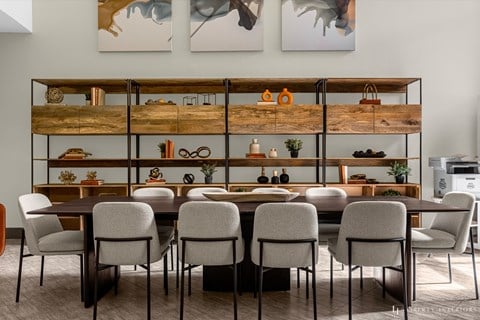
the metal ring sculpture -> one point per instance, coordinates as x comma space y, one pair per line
201, 152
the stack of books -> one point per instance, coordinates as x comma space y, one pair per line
97, 96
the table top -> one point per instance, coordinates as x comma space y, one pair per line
327, 207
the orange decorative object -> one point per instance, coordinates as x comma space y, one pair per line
285, 94
267, 96
2, 228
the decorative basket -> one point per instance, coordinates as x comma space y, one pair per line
370, 89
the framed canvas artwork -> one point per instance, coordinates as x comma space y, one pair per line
226, 25
133, 25
317, 25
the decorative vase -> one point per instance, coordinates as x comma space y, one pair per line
188, 178
254, 146
275, 178
285, 97
399, 179
208, 179
294, 154
262, 178
273, 153
284, 178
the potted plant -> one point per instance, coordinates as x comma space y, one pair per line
208, 169
293, 145
399, 171
161, 147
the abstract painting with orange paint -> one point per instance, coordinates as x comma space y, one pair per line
134, 25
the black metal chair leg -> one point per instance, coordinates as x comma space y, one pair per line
182, 285
314, 282
171, 254
361, 277
165, 274
331, 277
95, 287
255, 282
404, 281
149, 298
383, 282
306, 284
473, 264
234, 280
82, 290
20, 265
41, 270
414, 276
189, 280
177, 271
298, 278
349, 280
260, 282
449, 269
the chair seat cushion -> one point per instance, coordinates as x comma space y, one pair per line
432, 239
63, 242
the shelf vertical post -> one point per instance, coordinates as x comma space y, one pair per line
227, 83
129, 137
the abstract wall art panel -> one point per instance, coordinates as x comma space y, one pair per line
135, 25
317, 25
226, 25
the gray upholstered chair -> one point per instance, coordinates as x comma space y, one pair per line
165, 233
125, 233
448, 234
280, 190
197, 193
372, 233
45, 236
285, 235
210, 234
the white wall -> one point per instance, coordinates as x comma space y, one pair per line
433, 39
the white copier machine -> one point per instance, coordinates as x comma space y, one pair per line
454, 174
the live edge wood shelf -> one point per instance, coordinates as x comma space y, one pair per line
132, 119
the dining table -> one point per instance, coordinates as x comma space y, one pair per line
218, 278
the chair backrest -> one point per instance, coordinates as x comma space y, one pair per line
159, 192
279, 190
456, 223
210, 219
287, 221
125, 220
37, 226
319, 192
197, 193
2, 228
372, 220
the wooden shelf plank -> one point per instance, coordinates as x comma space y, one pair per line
83, 86
177, 162
272, 162
384, 85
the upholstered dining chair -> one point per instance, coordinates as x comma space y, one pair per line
2, 228
285, 235
279, 190
45, 236
166, 233
197, 193
372, 233
210, 234
125, 233
448, 234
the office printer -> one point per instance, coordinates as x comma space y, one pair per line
454, 174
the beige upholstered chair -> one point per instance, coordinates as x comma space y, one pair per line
2, 228
372, 233
285, 235
126, 234
280, 190
197, 193
448, 234
45, 236
210, 234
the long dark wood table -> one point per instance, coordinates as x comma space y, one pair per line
328, 208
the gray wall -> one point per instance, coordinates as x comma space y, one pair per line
432, 39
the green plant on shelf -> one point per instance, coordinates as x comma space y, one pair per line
391, 192
208, 169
